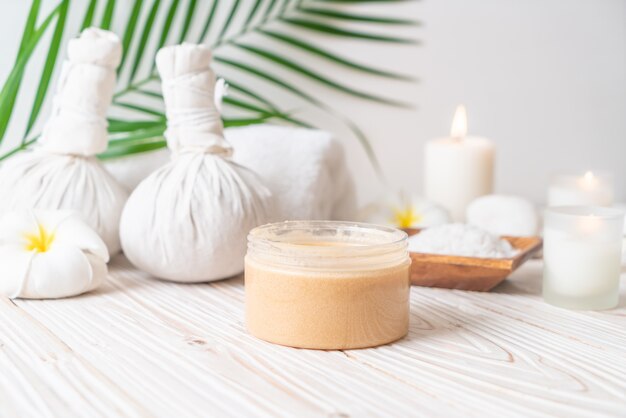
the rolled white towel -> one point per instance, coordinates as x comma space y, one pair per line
305, 169
504, 215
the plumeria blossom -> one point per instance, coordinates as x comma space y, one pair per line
404, 212
49, 254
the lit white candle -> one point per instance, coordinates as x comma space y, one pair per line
587, 190
582, 251
459, 168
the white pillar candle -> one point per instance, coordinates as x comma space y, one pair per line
582, 251
459, 168
587, 190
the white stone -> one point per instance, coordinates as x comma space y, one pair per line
504, 215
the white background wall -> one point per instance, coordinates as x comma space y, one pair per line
545, 79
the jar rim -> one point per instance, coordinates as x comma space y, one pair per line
263, 232
312, 243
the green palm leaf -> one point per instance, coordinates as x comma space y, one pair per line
208, 21
313, 11
9, 91
287, 23
269, 9
120, 125
143, 40
48, 69
250, 93
129, 30
191, 8
167, 25
300, 69
308, 47
229, 20
142, 109
334, 30
107, 16
252, 13
30, 26
89, 14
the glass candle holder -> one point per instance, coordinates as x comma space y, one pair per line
590, 189
581, 252
327, 285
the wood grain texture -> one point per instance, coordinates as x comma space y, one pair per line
142, 347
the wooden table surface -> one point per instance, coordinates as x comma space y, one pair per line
142, 347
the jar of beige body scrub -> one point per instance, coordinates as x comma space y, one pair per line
327, 285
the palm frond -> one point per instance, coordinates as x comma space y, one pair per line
191, 8
107, 16
89, 14
129, 30
143, 40
208, 21
352, 17
167, 24
10, 89
48, 69
229, 20
285, 24
300, 69
330, 29
330, 56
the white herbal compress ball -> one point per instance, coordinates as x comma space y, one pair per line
62, 172
188, 220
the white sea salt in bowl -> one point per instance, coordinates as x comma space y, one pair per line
458, 256
461, 240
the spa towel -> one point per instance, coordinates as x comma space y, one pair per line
305, 169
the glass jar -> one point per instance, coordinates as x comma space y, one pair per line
327, 284
582, 256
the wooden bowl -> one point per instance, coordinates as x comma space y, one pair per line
469, 273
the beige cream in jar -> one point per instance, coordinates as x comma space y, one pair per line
327, 285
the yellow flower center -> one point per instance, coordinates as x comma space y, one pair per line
39, 241
406, 217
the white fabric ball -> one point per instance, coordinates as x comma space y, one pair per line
188, 221
504, 215
40, 180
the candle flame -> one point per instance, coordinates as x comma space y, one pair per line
459, 123
588, 181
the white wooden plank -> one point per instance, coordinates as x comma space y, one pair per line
513, 352
183, 349
41, 376
187, 341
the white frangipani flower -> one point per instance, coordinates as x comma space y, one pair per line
403, 212
49, 254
